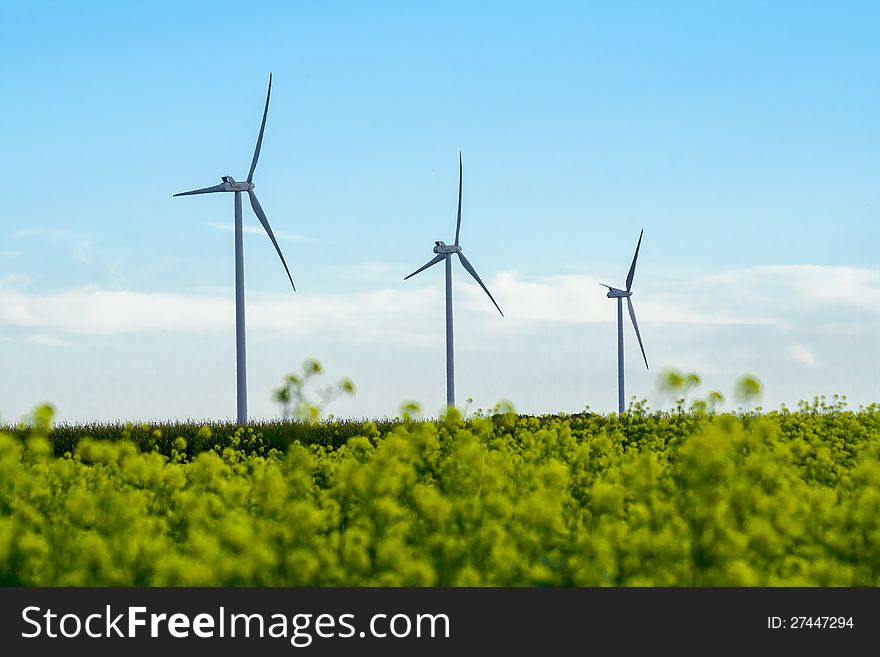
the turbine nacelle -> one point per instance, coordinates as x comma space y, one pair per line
615, 293
442, 247
230, 184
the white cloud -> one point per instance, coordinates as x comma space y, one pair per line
105, 312
408, 314
15, 280
579, 299
391, 316
809, 284
802, 355
843, 328
46, 340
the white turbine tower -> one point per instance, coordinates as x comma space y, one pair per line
229, 184
444, 252
620, 295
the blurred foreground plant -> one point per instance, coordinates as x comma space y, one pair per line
294, 399
747, 390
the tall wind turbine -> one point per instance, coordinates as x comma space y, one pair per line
620, 295
229, 184
444, 252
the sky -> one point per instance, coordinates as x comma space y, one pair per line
741, 136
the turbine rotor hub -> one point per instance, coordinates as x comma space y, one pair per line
232, 185
442, 247
614, 293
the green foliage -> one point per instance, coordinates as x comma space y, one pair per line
670, 381
674, 383
644, 498
294, 400
747, 390
714, 399
410, 410
677, 385
202, 436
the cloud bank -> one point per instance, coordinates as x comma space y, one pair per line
761, 296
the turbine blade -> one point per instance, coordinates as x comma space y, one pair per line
632, 316
632, 269
433, 262
258, 210
458, 221
473, 272
204, 190
250, 177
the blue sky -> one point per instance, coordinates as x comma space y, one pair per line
741, 136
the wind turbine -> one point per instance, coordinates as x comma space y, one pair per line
229, 184
620, 295
444, 252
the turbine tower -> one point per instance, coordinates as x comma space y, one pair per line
620, 295
444, 252
229, 184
